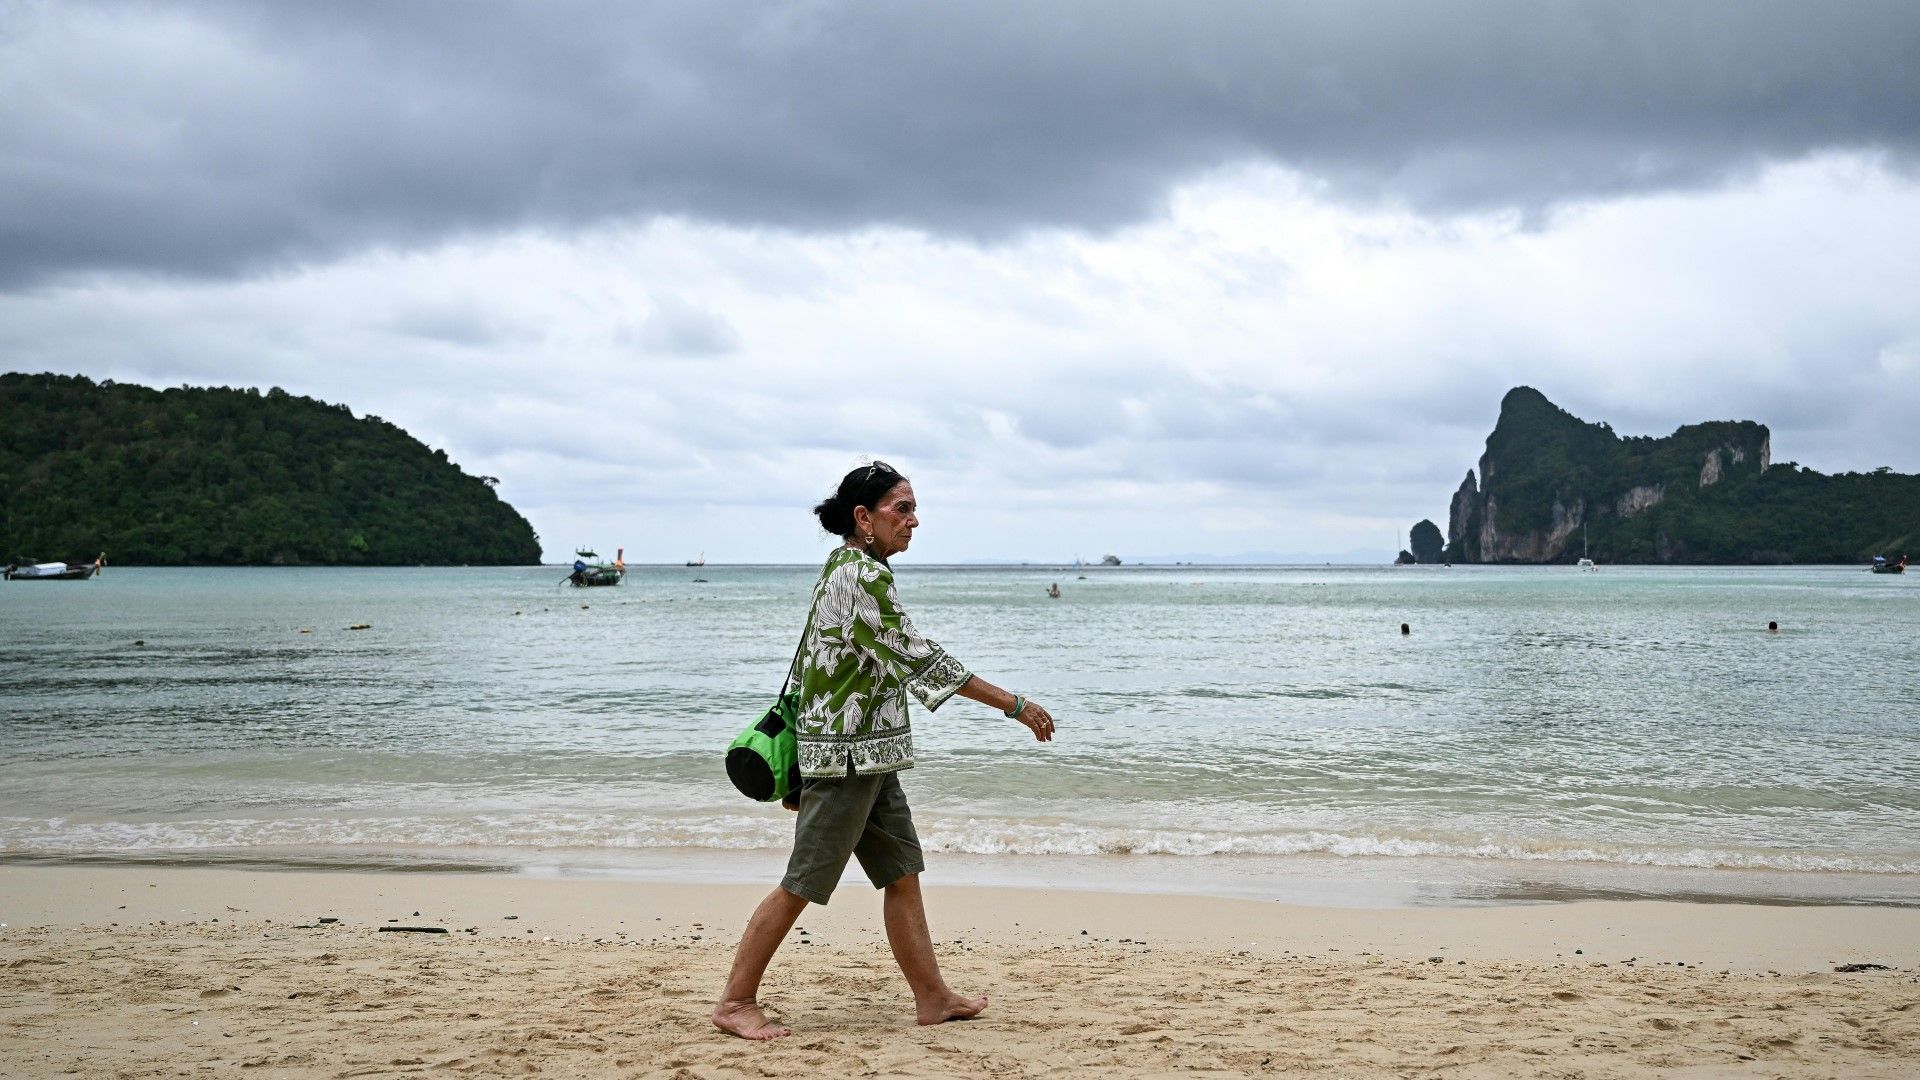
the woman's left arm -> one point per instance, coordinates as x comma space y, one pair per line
932, 675
1032, 713
881, 627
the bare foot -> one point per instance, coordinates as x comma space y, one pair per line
951, 1007
744, 1018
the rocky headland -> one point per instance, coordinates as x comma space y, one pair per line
1550, 483
217, 476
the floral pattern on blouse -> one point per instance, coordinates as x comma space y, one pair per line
861, 659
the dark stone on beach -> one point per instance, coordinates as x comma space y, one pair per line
1850, 968
414, 929
510, 918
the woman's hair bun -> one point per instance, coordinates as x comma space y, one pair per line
863, 486
835, 516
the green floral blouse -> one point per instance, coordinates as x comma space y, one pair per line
861, 659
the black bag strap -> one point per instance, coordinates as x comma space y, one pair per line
793, 665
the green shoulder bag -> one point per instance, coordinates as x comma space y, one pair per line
764, 760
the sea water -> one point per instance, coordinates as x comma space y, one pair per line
1267, 731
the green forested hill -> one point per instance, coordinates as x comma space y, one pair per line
1708, 493
216, 476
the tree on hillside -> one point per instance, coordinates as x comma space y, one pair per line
217, 475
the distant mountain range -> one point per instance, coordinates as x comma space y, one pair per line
1708, 493
217, 476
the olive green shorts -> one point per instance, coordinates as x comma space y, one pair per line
862, 816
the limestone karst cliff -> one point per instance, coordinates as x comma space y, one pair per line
1708, 493
1426, 542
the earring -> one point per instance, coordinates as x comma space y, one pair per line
869, 539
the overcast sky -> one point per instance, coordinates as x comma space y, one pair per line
1150, 279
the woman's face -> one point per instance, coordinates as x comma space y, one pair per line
891, 521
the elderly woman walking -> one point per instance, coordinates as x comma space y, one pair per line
860, 660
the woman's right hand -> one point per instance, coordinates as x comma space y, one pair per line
1038, 720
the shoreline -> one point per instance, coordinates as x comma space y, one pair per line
1723, 937
149, 971
1311, 879
1049, 567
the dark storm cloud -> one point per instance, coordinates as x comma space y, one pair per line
217, 138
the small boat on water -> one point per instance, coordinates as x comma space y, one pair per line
1882, 566
701, 561
588, 573
55, 571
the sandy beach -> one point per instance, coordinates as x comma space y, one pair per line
137, 972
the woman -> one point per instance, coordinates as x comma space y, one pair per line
860, 660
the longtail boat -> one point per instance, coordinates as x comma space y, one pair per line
587, 573
55, 571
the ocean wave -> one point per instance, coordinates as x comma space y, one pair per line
972, 836
995, 839
26, 836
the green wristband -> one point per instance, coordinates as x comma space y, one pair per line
1019, 703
